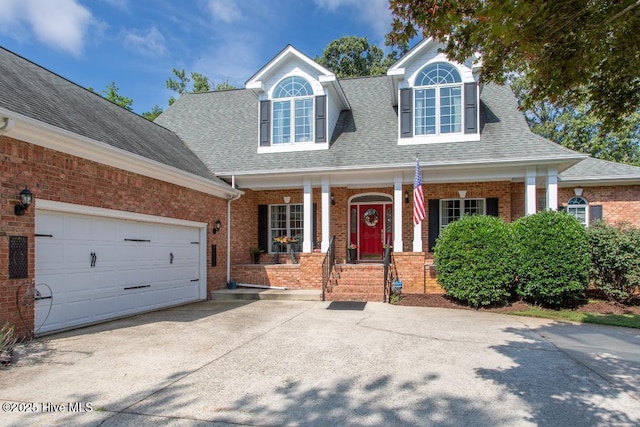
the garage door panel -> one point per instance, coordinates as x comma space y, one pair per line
84, 294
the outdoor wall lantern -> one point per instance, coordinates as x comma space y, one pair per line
333, 200
577, 191
406, 196
287, 199
217, 226
462, 193
25, 201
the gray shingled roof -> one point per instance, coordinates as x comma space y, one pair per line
35, 92
591, 169
222, 129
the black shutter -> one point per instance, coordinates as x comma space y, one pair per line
406, 113
492, 206
321, 118
595, 213
265, 123
314, 219
470, 108
434, 222
263, 228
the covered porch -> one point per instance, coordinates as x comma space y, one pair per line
364, 217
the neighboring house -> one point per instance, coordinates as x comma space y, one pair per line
125, 211
319, 157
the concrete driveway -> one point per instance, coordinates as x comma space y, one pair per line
299, 363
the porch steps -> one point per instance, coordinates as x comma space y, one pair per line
254, 294
356, 282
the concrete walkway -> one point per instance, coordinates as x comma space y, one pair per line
299, 363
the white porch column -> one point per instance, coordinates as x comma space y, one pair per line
530, 192
552, 189
397, 213
326, 215
307, 244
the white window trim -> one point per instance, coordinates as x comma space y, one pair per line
575, 206
484, 208
269, 231
292, 120
437, 88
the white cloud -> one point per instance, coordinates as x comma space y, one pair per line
60, 24
149, 42
224, 10
375, 13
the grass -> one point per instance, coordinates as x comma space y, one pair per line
625, 320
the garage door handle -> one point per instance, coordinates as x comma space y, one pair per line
94, 258
195, 280
171, 258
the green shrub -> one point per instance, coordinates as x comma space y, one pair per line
7, 343
552, 258
474, 260
615, 260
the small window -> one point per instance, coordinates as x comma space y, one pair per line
286, 220
438, 100
577, 206
452, 209
293, 114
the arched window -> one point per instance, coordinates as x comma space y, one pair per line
438, 100
577, 206
292, 111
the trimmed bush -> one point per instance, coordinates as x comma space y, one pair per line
474, 260
552, 258
615, 260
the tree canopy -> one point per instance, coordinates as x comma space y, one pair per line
201, 83
572, 51
110, 93
578, 128
352, 56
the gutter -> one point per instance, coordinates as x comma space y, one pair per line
229, 200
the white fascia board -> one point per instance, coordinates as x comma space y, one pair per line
471, 163
48, 136
587, 181
256, 87
383, 175
272, 65
408, 57
52, 205
332, 81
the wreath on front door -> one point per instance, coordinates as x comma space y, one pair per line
371, 217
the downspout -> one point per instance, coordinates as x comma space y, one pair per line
231, 199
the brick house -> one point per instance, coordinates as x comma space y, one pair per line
130, 215
319, 157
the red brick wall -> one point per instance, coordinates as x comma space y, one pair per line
52, 175
619, 204
307, 274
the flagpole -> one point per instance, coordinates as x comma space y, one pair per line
418, 208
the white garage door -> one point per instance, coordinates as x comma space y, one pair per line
99, 268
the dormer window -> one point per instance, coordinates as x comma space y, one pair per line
438, 104
293, 118
438, 100
293, 111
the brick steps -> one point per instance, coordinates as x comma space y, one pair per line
356, 282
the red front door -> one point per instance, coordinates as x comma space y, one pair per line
371, 223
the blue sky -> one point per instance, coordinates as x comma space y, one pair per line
136, 43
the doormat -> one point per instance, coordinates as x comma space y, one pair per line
347, 305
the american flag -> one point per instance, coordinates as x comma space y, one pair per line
418, 196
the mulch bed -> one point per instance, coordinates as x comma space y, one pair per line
442, 301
